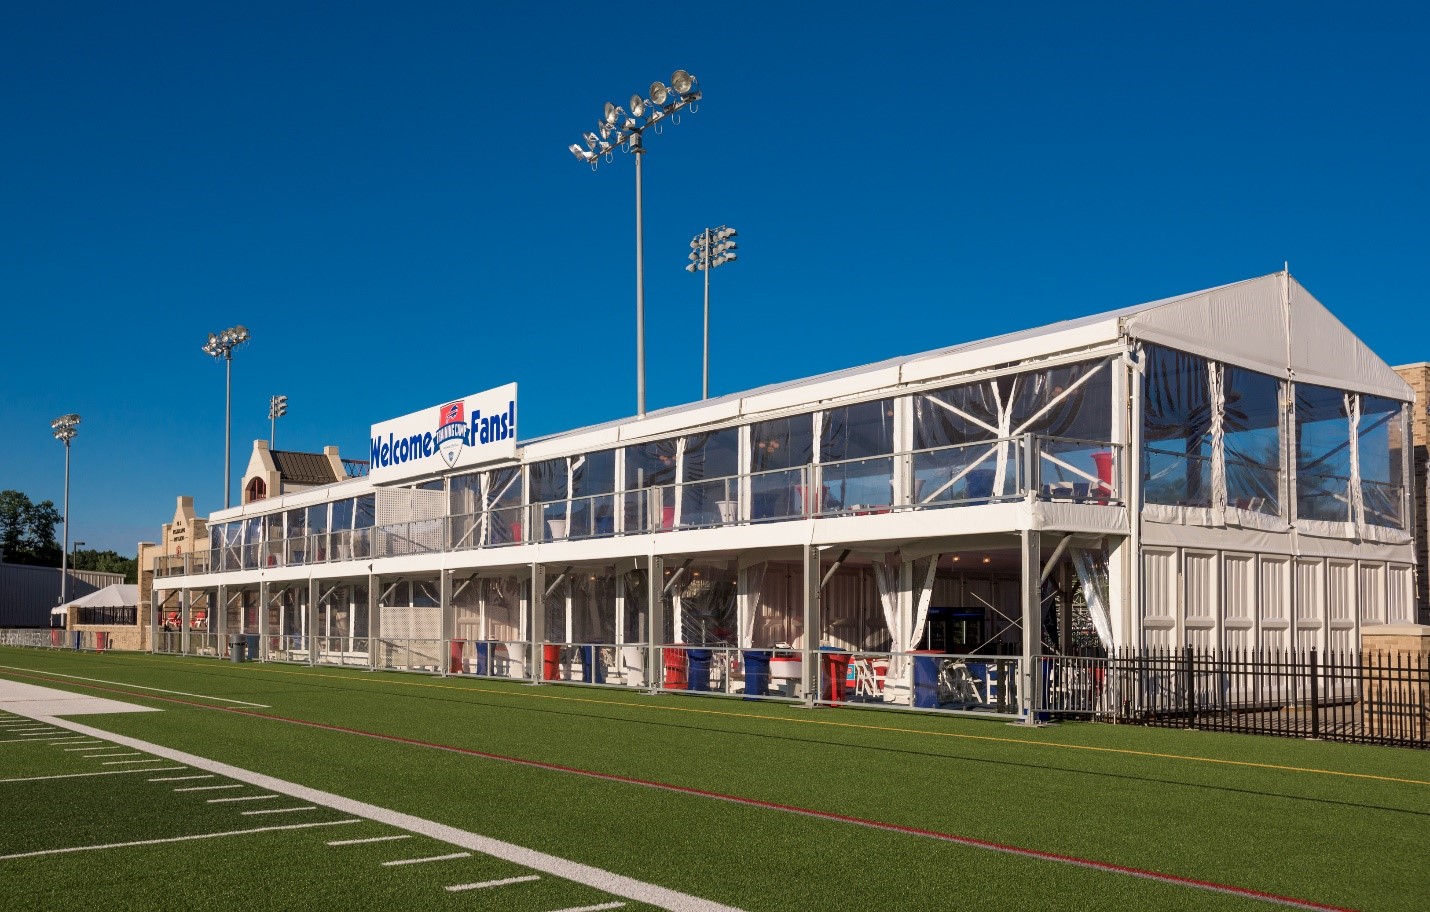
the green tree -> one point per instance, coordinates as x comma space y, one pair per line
107, 562
27, 530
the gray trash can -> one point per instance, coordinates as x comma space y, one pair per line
237, 646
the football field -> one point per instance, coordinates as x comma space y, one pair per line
133, 781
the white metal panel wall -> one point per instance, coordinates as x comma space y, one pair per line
1399, 594
1159, 597
1340, 606
1309, 603
1200, 597
1239, 601
1372, 592
1275, 601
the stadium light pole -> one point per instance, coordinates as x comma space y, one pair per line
619, 128
221, 346
277, 408
65, 427
711, 248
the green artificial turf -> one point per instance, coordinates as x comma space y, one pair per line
1281, 816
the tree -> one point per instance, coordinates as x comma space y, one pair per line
27, 530
106, 562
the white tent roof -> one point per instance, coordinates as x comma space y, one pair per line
119, 595
1269, 324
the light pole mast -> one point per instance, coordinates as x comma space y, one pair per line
277, 408
221, 346
616, 128
65, 427
711, 248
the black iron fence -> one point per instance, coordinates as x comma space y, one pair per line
1370, 697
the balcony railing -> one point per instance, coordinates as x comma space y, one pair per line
985, 472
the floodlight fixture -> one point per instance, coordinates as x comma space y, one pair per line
65, 428
221, 345
619, 128
710, 248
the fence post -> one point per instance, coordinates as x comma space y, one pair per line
1189, 686
1315, 696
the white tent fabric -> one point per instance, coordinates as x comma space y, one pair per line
120, 595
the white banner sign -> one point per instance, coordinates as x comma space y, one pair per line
478, 429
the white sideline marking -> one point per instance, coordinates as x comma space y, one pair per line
347, 842
83, 775
180, 778
491, 883
600, 879
126, 762
179, 693
144, 842
207, 788
306, 807
240, 798
408, 861
600, 908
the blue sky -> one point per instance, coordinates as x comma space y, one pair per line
383, 195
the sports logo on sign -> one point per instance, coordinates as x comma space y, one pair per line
451, 430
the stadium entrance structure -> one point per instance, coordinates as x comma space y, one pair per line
1221, 469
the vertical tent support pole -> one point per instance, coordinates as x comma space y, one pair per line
263, 631
537, 610
185, 606
312, 616
374, 621
655, 618
1032, 624
809, 674
444, 590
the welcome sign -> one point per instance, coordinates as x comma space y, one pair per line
470, 431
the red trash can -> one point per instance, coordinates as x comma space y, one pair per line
673, 658
101, 641
457, 665
550, 662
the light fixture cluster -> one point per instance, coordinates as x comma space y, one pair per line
277, 406
712, 247
619, 127
221, 345
65, 427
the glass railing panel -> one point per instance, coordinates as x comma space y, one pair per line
782, 494
1176, 479
967, 473
856, 486
711, 502
1081, 471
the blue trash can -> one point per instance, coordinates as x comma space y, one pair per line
926, 680
252, 653
698, 669
757, 673
592, 671
482, 657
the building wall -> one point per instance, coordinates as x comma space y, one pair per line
1418, 376
27, 594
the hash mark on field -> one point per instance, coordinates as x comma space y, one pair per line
306, 807
126, 754
348, 842
491, 883
144, 842
28, 740
100, 748
127, 762
240, 798
181, 778
599, 908
408, 861
209, 788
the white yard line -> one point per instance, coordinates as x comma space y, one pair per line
181, 778
606, 881
208, 788
83, 775
240, 798
306, 807
127, 762
102, 747
179, 693
348, 842
124, 754
488, 884
145, 842
408, 861
29, 740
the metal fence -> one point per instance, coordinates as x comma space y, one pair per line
1368, 697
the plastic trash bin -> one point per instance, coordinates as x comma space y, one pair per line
592, 670
926, 679
835, 665
237, 646
673, 663
698, 669
482, 657
457, 666
550, 662
757, 673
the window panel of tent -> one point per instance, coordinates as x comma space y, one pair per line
465, 495
956, 415
342, 514
365, 511
782, 443
548, 480
1251, 428
317, 519
858, 431
593, 473
715, 454
1323, 454
1381, 434
1176, 429
650, 464
504, 488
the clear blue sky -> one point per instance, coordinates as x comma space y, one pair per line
382, 193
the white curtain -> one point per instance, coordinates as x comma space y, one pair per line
754, 579
923, 593
1091, 567
1357, 496
1216, 389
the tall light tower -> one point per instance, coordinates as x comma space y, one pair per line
711, 248
621, 128
277, 408
221, 346
65, 427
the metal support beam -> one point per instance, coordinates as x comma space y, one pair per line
537, 610
1030, 561
809, 674
312, 615
374, 621
655, 672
